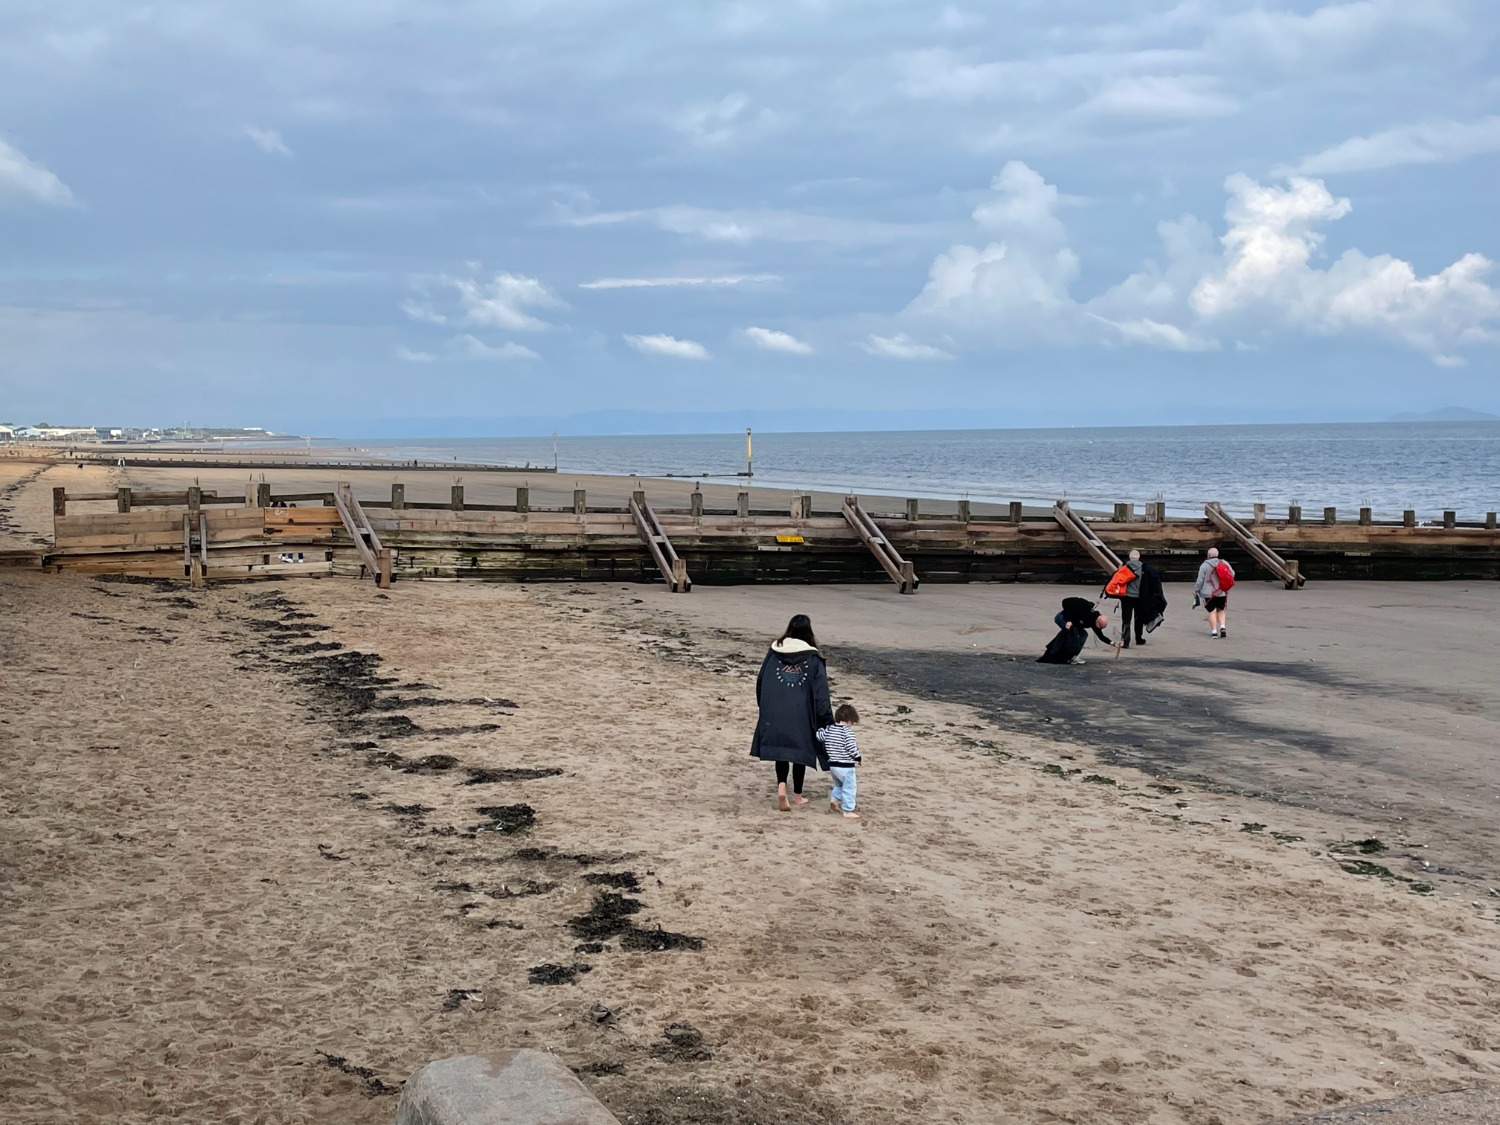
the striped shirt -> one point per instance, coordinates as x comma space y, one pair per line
843, 750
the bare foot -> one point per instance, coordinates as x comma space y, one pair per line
799, 799
782, 804
851, 816
833, 806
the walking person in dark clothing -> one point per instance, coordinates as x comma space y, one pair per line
1077, 617
1130, 604
792, 691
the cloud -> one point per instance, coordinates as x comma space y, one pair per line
268, 141
902, 346
1021, 279
1262, 276
476, 348
668, 346
503, 300
421, 312
773, 341
752, 225
724, 121
410, 356
23, 178
1267, 270
1438, 142
1169, 337
1153, 95
675, 282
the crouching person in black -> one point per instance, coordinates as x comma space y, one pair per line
1077, 617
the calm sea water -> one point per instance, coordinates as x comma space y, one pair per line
1389, 466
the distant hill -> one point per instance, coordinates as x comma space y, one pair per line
1446, 414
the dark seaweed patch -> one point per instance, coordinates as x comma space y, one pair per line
507, 819
373, 1085
433, 763
485, 775
1370, 846
608, 916
619, 880
637, 940
557, 974
523, 889
684, 1043
600, 1069
408, 810
589, 947
458, 996
316, 646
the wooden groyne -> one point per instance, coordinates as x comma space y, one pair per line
197, 535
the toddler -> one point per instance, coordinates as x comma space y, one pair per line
843, 756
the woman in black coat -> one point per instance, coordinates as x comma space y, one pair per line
792, 691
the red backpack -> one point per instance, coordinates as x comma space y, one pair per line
1119, 582
1224, 575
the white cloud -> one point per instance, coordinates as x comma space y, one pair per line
268, 141
668, 346
719, 123
1153, 333
1262, 276
476, 348
773, 341
1267, 271
422, 312
23, 178
411, 356
902, 346
743, 226
1020, 280
1437, 142
503, 300
676, 282
1151, 95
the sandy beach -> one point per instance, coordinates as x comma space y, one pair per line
269, 847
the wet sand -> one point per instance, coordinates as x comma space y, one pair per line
269, 847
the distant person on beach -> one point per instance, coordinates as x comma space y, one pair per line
842, 749
1215, 577
1077, 617
792, 692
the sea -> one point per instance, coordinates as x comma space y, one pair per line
1386, 466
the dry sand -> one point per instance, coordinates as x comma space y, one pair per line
226, 898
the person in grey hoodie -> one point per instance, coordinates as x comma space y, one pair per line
1130, 602
1214, 599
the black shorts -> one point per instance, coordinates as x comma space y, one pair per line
1216, 603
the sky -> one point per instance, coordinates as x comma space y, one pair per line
491, 216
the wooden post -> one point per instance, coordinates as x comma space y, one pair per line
1017, 511
398, 497
1366, 517
695, 504
1489, 521
1450, 519
195, 499
523, 499
456, 497
639, 496
1330, 516
1156, 511
122, 500
964, 513
59, 501
1260, 514
580, 501
1294, 513
263, 494
908, 578
742, 504
805, 506
911, 510
1409, 518
680, 584
1124, 513
1295, 569
383, 569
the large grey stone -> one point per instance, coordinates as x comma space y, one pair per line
505, 1088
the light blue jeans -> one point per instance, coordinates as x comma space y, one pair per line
844, 787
